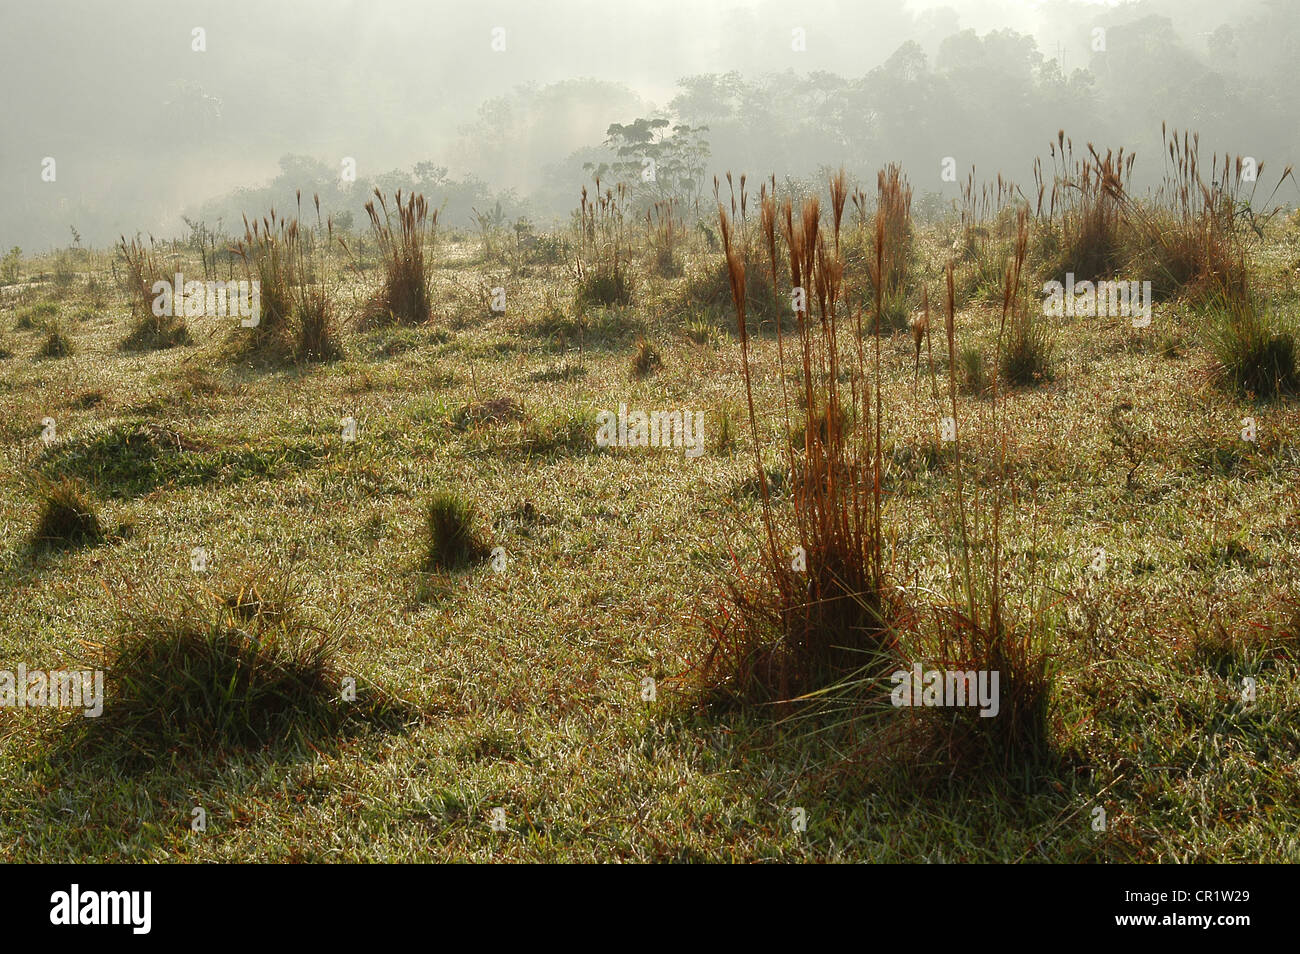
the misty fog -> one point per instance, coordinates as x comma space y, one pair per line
149, 121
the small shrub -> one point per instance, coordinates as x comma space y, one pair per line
708, 288
600, 266
895, 312
819, 611
665, 231
726, 439
665, 264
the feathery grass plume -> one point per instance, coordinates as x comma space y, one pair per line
296, 320
1025, 344
269, 258
665, 233
403, 236
599, 260
150, 331
1088, 195
987, 237
316, 331
818, 611
893, 219
920, 327
979, 628
453, 541
1190, 234
67, 516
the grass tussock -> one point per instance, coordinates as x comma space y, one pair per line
980, 628
818, 608
1254, 348
296, 320
66, 516
1189, 239
404, 235
57, 344
211, 674
150, 331
1027, 353
32, 317
601, 260
665, 235
972, 371
452, 541
647, 359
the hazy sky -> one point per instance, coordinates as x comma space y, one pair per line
142, 125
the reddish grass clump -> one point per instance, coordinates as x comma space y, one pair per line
819, 609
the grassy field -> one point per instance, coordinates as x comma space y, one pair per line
518, 682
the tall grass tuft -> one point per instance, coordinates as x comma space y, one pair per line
980, 628
404, 236
818, 609
1087, 196
665, 234
150, 331
1189, 236
297, 320
599, 261
57, 344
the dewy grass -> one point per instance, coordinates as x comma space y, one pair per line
548, 684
